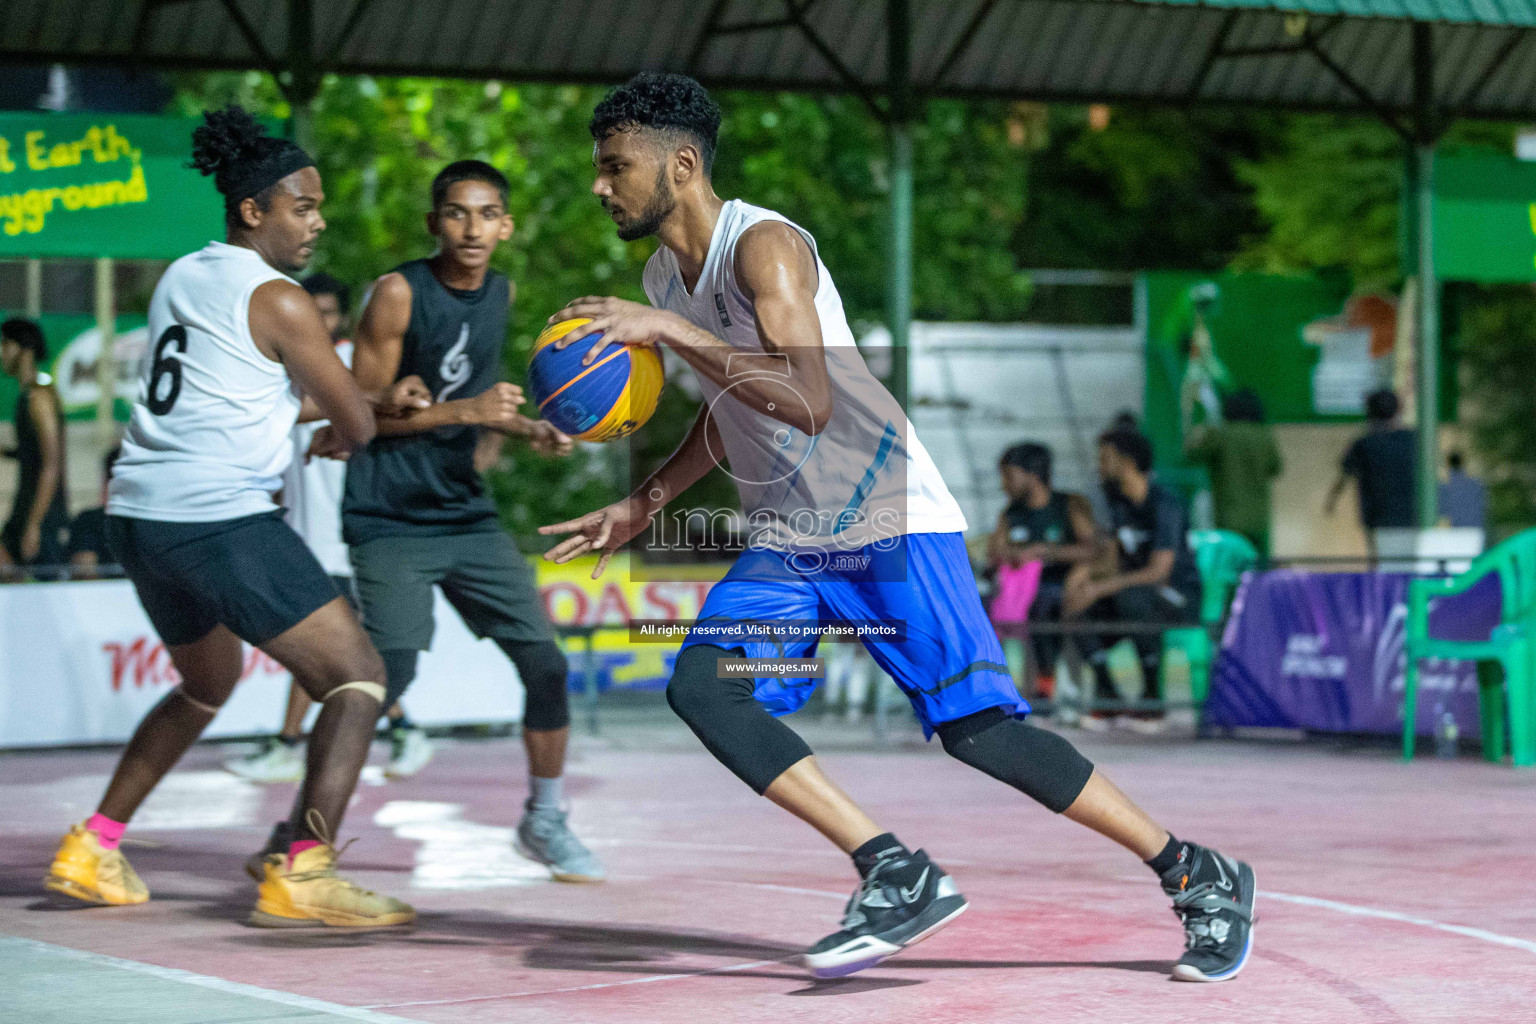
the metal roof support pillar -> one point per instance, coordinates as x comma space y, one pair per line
303, 77
898, 305
1422, 180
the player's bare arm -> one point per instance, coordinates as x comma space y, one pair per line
287, 328
610, 528
777, 273
379, 342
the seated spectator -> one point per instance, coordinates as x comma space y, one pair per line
88, 551
1041, 524
1241, 455
1382, 464
1463, 498
1155, 578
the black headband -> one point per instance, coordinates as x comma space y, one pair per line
247, 180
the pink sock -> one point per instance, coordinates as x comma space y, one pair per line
299, 846
108, 832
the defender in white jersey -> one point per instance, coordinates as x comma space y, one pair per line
239, 353
847, 520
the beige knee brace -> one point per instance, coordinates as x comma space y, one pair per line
374, 690
209, 709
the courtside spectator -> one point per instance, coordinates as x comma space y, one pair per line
1155, 579
1243, 460
1382, 465
1041, 524
34, 533
1463, 498
88, 551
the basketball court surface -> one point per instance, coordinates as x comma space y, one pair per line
1387, 893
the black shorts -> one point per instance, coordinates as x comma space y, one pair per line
481, 573
252, 574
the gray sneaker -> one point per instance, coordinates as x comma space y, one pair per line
544, 837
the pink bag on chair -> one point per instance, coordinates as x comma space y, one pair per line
1016, 589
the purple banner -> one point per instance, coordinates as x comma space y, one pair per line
1325, 652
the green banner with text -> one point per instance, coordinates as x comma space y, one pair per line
89, 185
1485, 218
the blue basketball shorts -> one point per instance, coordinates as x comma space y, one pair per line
913, 597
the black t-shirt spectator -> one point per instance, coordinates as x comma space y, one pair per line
1049, 525
88, 533
1382, 463
1159, 523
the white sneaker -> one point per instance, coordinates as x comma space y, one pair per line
409, 752
276, 761
1147, 726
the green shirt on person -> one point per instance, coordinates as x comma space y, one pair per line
1243, 460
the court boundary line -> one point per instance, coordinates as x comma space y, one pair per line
1355, 910
588, 988
176, 974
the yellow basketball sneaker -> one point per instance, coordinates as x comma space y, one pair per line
311, 893
84, 870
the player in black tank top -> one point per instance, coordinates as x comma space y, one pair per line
39, 424
426, 483
415, 512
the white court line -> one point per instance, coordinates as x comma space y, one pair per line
839, 896
587, 988
1481, 934
668, 844
217, 984
1392, 915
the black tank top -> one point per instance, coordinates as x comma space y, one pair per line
29, 455
426, 483
1047, 525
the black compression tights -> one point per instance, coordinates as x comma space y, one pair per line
540, 665
1036, 762
725, 716
758, 748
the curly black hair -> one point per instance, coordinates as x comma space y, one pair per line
243, 159
671, 104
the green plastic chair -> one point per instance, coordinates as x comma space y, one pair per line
1511, 646
1222, 557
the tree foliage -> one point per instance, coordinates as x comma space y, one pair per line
998, 186
820, 161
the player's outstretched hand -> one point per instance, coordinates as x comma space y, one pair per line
497, 407
547, 439
605, 530
619, 321
407, 393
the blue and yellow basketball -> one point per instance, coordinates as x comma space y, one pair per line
608, 400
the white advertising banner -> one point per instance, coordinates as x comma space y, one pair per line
80, 663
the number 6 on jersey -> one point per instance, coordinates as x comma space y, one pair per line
166, 366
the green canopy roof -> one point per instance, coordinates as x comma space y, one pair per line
1303, 54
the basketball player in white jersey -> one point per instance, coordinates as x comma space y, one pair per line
239, 353
848, 519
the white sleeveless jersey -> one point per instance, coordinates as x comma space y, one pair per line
209, 436
865, 477
312, 493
